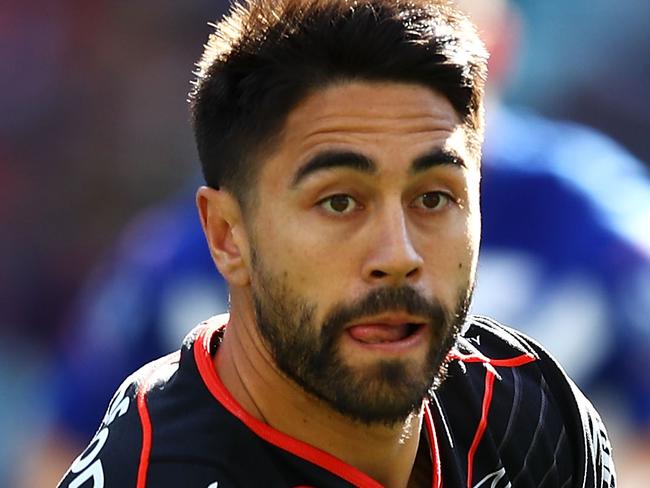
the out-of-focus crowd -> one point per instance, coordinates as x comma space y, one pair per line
94, 129
93, 126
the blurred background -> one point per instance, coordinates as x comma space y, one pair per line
102, 265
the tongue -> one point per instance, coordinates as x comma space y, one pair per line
377, 333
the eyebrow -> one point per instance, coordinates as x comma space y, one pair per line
439, 157
363, 164
334, 159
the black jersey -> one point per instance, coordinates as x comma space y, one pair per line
506, 416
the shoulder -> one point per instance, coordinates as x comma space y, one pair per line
520, 411
497, 348
112, 456
157, 429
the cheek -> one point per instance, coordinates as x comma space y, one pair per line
470, 249
452, 258
300, 241
298, 257
472, 224
474, 234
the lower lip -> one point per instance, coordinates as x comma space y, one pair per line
395, 347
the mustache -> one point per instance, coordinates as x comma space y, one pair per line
387, 299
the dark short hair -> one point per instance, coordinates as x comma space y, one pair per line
265, 56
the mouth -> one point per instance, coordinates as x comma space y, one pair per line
389, 332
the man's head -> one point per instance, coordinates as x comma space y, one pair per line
341, 141
267, 55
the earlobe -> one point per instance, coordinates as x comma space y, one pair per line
221, 219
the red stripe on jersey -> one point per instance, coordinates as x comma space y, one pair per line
145, 453
490, 376
485, 410
507, 363
283, 441
433, 448
514, 362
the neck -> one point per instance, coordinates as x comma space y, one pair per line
246, 368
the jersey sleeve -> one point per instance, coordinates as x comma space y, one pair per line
133, 308
599, 464
596, 451
112, 457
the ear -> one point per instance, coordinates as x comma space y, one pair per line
221, 218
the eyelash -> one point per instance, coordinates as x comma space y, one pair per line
445, 199
330, 199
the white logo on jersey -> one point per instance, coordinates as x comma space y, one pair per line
496, 477
213, 485
86, 464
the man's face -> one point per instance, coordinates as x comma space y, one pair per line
364, 245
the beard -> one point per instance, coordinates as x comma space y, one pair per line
385, 392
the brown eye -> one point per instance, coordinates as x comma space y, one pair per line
432, 200
339, 204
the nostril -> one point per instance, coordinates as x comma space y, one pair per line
378, 274
412, 273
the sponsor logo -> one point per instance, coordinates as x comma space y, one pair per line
88, 466
494, 479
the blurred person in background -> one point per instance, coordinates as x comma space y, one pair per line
608, 87
578, 265
80, 124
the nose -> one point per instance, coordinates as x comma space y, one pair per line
392, 258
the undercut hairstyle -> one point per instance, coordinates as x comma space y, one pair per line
265, 56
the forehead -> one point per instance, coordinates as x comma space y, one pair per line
367, 108
389, 123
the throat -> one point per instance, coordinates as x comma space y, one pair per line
422, 472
